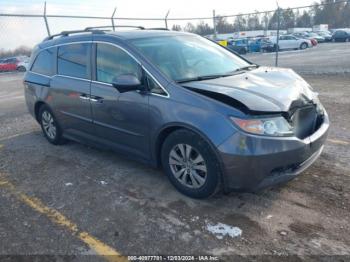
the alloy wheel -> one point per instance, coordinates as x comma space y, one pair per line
48, 124
188, 166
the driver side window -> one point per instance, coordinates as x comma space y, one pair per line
112, 62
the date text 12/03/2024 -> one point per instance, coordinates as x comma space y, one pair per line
173, 258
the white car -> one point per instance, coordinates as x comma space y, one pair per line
291, 42
23, 63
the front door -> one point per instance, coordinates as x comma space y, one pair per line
120, 118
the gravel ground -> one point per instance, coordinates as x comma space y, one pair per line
134, 209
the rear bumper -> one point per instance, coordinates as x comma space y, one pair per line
254, 162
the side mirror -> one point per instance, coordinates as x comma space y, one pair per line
127, 83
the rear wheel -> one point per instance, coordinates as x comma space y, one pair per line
50, 126
191, 164
21, 69
303, 46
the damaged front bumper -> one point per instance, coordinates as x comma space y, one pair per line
252, 162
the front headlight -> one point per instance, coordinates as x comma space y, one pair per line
274, 126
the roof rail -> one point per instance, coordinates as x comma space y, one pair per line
158, 28
67, 33
116, 26
92, 29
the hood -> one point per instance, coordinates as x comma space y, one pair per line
265, 89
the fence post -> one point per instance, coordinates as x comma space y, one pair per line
214, 24
112, 19
266, 24
45, 19
278, 35
166, 19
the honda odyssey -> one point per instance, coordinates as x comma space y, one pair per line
211, 119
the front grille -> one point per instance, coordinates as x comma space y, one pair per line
306, 121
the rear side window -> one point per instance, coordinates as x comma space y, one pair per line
43, 63
72, 60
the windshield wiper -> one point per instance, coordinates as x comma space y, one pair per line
201, 78
247, 67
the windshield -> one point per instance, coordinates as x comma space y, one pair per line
189, 56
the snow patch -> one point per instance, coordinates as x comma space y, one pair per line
220, 230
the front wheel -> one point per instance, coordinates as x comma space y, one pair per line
191, 164
50, 126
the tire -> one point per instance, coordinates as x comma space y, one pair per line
21, 69
198, 179
50, 127
243, 51
303, 46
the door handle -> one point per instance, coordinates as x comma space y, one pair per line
96, 99
84, 97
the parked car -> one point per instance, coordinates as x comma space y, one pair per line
238, 49
13, 64
304, 35
326, 34
8, 64
23, 63
213, 120
265, 45
238, 45
290, 42
319, 38
342, 35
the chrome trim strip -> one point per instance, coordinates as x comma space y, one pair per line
117, 128
102, 83
76, 116
73, 77
35, 73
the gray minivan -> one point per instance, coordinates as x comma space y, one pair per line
211, 119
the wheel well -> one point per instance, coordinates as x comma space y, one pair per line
160, 140
162, 137
37, 108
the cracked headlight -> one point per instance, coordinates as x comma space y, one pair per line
274, 126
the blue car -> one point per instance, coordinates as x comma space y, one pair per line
211, 119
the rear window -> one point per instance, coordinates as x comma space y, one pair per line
72, 60
43, 63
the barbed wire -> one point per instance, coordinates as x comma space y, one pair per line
171, 18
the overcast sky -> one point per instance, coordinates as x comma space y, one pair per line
28, 31
148, 8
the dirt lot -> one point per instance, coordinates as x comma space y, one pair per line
58, 200
323, 59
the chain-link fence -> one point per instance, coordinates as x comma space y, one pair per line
23, 31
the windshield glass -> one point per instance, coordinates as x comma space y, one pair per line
188, 56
